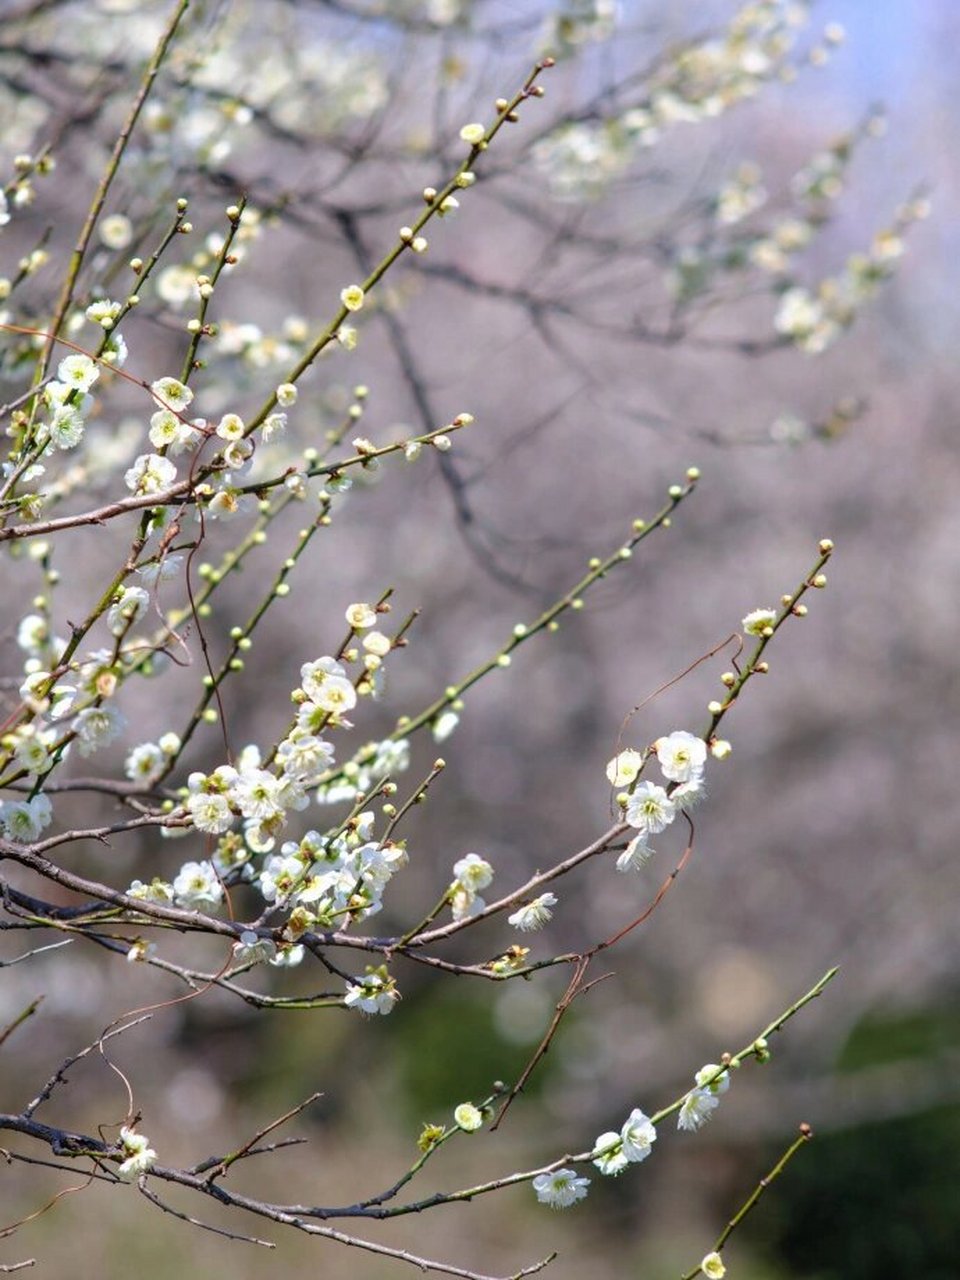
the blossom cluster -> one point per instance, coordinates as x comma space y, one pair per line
649, 807
702, 80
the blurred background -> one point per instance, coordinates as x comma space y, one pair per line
608, 303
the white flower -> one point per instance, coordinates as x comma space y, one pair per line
177, 285
560, 1189
650, 809
198, 885
140, 1156
288, 957
444, 725
281, 874
719, 1078
608, 1154
535, 914
156, 891
352, 297
712, 1266
635, 855
167, 431
700, 1102
230, 427
140, 951
473, 133
612, 1152
103, 312
252, 949
637, 1136
373, 993
468, 1117
623, 768
151, 473
96, 726
756, 623
162, 570
33, 633
686, 794
360, 617
286, 395
798, 314
170, 393
129, 605
473, 872
256, 794
210, 813
23, 820
66, 426
78, 372
303, 756
145, 763
115, 352
464, 903
377, 643
116, 231
682, 756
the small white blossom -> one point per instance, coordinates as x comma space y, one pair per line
33, 633
623, 768
66, 426
535, 914
682, 756
139, 1155
700, 1102
473, 133
696, 1110
103, 312
151, 473
252, 949
473, 872
637, 1135
373, 993
352, 297
127, 608
286, 395
636, 855
97, 726
444, 725
274, 424
712, 1266
162, 570
377, 643
145, 763
756, 623
230, 427
468, 1117
23, 820
157, 890
176, 285
116, 231
78, 372
210, 813
650, 809
360, 617
197, 886
608, 1154
171, 393
560, 1189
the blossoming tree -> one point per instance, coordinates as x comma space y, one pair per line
281, 853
